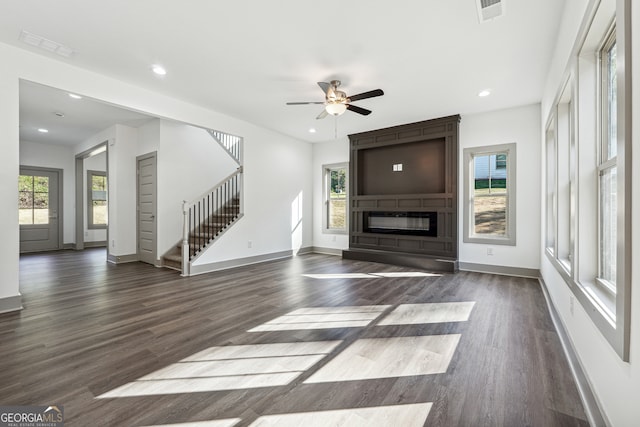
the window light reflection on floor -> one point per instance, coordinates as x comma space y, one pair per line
410, 415
230, 368
213, 423
375, 358
439, 312
324, 318
405, 415
371, 275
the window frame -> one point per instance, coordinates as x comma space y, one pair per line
326, 195
90, 175
469, 154
605, 162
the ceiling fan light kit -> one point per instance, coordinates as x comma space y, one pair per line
336, 108
337, 102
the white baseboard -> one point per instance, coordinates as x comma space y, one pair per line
9, 304
121, 259
499, 269
233, 263
589, 401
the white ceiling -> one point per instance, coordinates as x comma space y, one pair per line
247, 58
40, 107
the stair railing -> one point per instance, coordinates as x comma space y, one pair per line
231, 143
208, 216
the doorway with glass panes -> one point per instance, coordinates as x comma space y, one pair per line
40, 209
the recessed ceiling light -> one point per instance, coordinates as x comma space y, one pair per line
159, 70
74, 96
312, 130
484, 93
43, 130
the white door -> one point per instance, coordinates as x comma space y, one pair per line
38, 206
147, 208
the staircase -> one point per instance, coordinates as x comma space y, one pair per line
207, 218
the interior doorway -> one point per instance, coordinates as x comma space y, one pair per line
92, 197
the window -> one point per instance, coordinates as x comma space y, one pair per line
562, 156
97, 210
335, 186
489, 216
588, 191
33, 199
550, 145
607, 168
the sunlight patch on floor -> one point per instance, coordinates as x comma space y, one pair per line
324, 318
230, 368
214, 423
411, 415
373, 358
371, 275
440, 312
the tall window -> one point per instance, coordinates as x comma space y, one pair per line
490, 193
97, 209
607, 167
33, 199
335, 198
551, 186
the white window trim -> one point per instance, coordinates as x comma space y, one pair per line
609, 308
326, 193
90, 224
468, 179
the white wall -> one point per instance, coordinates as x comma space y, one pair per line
9, 170
122, 148
326, 153
149, 137
276, 166
93, 163
519, 125
615, 383
57, 157
277, 176
189, 163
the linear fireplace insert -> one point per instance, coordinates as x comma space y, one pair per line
407, 223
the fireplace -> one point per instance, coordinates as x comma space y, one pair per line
404, 223
403, 195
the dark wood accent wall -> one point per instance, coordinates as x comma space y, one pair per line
428, 182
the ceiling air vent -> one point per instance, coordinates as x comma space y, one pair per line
489, 9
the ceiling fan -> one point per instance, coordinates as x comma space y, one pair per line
337, 102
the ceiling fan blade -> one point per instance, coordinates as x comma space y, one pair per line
322, 115
365, 95
324, 86
304, 103
358, 110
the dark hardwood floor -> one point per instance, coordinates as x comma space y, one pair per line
89, 328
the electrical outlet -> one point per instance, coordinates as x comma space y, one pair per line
333, 239
249, 244
113, 243
490, 251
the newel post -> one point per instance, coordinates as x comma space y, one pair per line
185, 238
